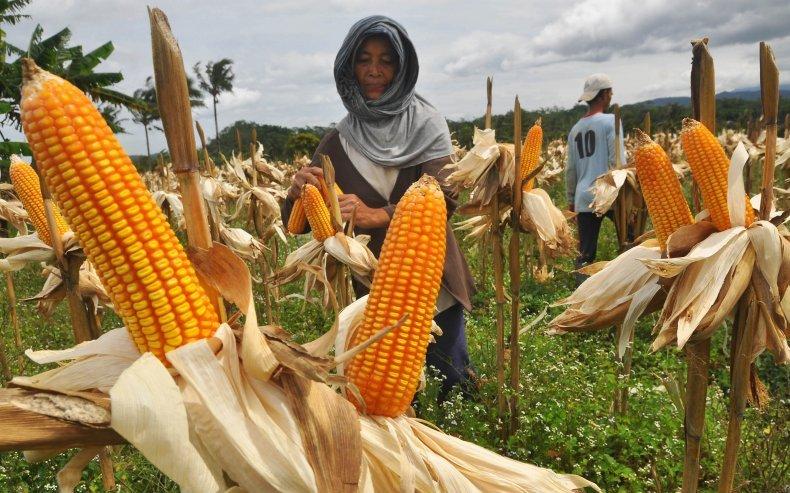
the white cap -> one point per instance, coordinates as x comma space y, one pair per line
594, 84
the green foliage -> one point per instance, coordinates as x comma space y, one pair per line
301, 143
274, 138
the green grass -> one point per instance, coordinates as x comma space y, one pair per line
565, 418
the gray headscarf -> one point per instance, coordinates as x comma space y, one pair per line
401, 128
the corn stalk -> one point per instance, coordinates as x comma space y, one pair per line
703, 103
11, 293
84, 321
176, 112
742, 356
257, 223
497, 260
515, 272
483, 246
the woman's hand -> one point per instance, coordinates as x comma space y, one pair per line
365, 217
306, 174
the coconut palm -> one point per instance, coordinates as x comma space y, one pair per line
147, 113
216, 79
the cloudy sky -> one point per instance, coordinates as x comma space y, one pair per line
542, 51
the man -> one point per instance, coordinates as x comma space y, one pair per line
591, 153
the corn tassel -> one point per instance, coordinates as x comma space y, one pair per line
125, 235
297, 221
530, 153
28, 189
317, 213
709, 167
407, 282
661, 189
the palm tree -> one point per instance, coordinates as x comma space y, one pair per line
217, 78
148, 111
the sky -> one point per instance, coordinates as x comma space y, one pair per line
283, 51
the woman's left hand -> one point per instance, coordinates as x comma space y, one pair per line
365, 217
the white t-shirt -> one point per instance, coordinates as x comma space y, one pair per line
382, 179
590, 154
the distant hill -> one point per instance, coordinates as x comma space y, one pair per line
734, 109
746, 94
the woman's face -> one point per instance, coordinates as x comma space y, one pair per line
375, 67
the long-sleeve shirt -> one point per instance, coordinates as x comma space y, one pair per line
457, 279
590, 154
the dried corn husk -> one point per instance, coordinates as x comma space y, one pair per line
619, 293
320, 262
607, 186
171, 201
22, 250
712, 276
14, 213
487, 168
242, 243
407, 454
541, 217
54, 290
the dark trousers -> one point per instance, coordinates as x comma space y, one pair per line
449, 354
589, 228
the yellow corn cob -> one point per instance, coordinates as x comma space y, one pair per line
297, 221
530, 153
407, 282
661, 188
317, 213
709, 167
124, 234
28, 188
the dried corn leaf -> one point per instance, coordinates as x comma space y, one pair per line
605, 298
14, 213
468, 172
234, 425
22, 250
735, 188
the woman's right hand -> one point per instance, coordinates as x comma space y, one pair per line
306, 174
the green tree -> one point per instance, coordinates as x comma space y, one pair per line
216, 79
55, 55
301, 143
10, 12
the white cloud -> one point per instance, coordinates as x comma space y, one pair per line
303, 67
283, 51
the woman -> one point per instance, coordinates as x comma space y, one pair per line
388, 139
